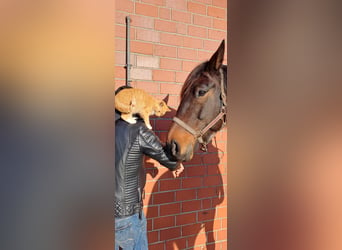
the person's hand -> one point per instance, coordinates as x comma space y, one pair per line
178, 170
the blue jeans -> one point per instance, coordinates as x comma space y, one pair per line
131, 232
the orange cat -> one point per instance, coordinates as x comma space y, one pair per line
132, 101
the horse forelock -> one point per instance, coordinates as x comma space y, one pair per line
195, 74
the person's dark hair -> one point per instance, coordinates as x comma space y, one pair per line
121, 88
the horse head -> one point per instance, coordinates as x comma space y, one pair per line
202, 109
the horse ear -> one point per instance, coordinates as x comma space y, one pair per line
216, 60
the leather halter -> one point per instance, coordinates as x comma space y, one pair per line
221, 116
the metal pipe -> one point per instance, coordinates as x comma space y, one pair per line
128, 52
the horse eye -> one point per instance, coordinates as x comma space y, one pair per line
201, 92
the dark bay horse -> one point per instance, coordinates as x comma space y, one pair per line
202, 110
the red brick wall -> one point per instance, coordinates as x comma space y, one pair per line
168, 39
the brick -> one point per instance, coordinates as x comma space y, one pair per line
150, 87
222, 212
120, 31
184, 195
164, 125
182, 28
166, 63
213, 180
119, 83
163, 76
152, 236
192, 182
120, 17
149, 224
141, 47
188, 206
181, 16
204, 55
169, 209
206, 192
220, 3
178, 4
119, 72
165, 13
197, 31
217, 12
165, 185
224, 223
164, 25
167, 88
197, 8
188, 66
179, 243
154, 2
142, 21
206, 215
163, 222
124, 5
210, 45
201, 239
181, 76
146, 9
173, 102
120, 58
188, 218
206, 203
211, 159
141, 74
220, 24
120, 44
202, 20
148, 61
152, 212
205, 1
194, 43
191, 229
195, 171
217, 224
171, 39
184, 53
170, 233
213, 170
151, 185
167, 51
162, 198
222, 234
158, 246
217, 34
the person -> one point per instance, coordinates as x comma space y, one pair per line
132, 142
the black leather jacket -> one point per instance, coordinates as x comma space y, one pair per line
132, 141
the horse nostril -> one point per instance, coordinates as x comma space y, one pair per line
174, 147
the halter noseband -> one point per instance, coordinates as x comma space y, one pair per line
199, 134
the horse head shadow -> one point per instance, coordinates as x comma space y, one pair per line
182, 212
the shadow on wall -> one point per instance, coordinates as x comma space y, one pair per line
182, 212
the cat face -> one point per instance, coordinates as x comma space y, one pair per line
161, 108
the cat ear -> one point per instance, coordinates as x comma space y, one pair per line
166, 99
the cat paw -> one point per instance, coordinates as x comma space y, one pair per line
132, 120
149, 126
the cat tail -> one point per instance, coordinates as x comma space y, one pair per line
125, 108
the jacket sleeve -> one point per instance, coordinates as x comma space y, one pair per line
152, 147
